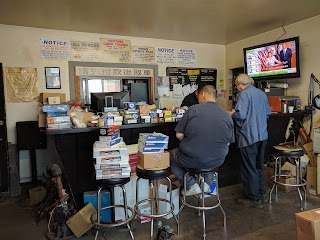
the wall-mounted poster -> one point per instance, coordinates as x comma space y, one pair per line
166, 56
21, 84
85, 51
143, 55
186, 57
52, 77
115, 50
55, 49
163, 86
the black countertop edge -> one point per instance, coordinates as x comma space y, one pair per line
88, 129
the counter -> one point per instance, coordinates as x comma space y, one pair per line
74, 147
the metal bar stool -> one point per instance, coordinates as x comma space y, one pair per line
153, 176
283, 152
95, 217
201, 206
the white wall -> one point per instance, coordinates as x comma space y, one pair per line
20, 47
309, 33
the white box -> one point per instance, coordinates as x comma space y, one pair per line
165, 207
54, 100
316, 140
131, 195
110, 152
144, 209
112, 159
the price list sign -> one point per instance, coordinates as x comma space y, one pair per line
191, 76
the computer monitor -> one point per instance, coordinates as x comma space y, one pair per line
98, 100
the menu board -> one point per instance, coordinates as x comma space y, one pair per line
191, 76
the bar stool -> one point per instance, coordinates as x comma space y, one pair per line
95, 217
154, 175
201, 207
283, 152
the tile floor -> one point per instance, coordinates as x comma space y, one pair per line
274, 221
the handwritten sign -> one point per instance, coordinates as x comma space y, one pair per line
115, 50
85, 51
55, 49
107, 71
186, 57
143, 55
166, 56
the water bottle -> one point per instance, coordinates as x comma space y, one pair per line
213, 186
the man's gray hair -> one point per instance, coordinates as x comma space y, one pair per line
244, 79
210, 90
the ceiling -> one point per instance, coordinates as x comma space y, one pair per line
206, 21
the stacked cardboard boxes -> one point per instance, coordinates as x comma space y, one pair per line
56, 116
152, 151
111, 155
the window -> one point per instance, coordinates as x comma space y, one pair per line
98, 85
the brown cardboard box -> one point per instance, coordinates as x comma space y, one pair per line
308, 225
41, 118
289, 180
308, 148
312, 180
154, 160
80, 222
37, 195
145, 109
44, 97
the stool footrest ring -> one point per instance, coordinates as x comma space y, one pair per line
109, 225
154, 200
202, 208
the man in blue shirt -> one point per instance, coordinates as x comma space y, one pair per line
205, 132
250, 115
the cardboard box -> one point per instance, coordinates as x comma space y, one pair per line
44, 96
312, 180
308, 225
37, 195
41, 118
80, 222
289, 180
308, 148
163, 193
54, 100
154, 160
316, 140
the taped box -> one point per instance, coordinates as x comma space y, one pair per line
80, 222
308, 225
154, 160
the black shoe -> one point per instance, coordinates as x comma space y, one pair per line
250, 203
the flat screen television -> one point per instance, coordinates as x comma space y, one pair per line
98, 100
274, 60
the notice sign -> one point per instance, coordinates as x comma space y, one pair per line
55, 49
166, 56
115, 50
143, 55
85, 51
186, 57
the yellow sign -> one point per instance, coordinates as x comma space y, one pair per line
193, 72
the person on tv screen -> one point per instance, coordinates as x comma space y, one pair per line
285, 55
271, 60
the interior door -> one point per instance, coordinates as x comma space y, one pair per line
3, 138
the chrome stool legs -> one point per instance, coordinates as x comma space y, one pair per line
300, 182
201, 203
127, 220
154, 200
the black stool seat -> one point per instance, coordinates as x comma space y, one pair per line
287, 152
202, 171
153, 174
112, 182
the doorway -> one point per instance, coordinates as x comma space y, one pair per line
3, 138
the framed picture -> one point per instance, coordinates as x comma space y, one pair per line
53, 78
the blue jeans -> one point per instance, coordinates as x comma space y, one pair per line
178, 168
252, 170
